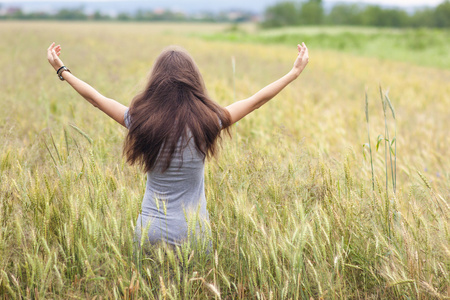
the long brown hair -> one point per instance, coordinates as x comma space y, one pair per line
174, 100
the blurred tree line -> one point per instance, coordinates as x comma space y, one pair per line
141, 16
63, 14
311, 12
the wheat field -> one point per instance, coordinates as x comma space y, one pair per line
294, 212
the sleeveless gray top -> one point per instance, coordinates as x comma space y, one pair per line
174, 204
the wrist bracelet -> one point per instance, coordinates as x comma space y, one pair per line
57, 72
60, 71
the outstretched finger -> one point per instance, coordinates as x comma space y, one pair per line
58, 50
302, 51
54, 55
51, 46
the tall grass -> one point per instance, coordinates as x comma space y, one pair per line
369, 144
294, 211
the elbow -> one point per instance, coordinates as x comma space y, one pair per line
256, 104
260, 103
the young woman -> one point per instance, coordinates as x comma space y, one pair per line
172, 127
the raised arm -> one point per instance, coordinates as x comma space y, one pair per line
109, 106
240, 109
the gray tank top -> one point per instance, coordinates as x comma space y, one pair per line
174, 204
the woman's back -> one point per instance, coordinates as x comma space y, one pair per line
173, 126
174, 198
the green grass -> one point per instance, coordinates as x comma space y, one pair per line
293, 211
425, 47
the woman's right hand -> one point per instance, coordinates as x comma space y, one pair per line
53, 53
302, 59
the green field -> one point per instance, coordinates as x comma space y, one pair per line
293, 211
423, 47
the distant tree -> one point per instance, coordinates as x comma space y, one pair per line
345, 14
71, 14
372, 16
97, 16
442, 15
423, 18
123, 17
281, 14
395, 18
311, 12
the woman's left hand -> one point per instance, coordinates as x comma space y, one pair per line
53, 53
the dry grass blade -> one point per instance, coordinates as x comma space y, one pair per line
394, 141
368, 136
81, 132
